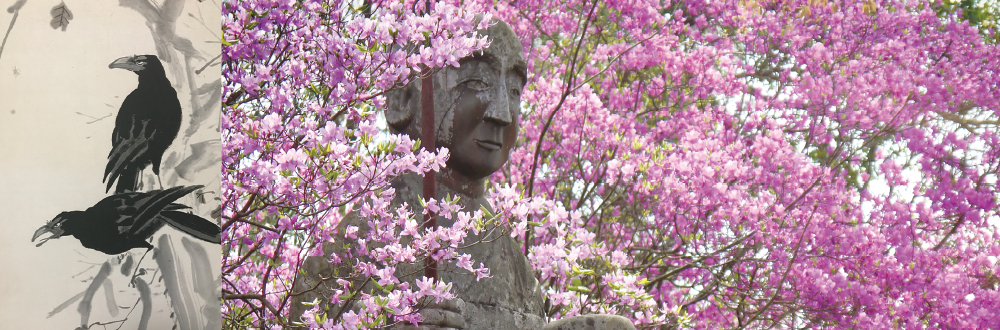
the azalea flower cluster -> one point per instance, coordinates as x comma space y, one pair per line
574, 265
768, 163
303, 151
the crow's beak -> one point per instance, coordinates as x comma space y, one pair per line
127, 63
47, 228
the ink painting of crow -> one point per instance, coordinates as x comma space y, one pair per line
121, 222
147, 123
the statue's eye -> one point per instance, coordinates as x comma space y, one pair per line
515, 92
476, 84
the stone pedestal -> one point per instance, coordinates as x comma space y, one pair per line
591, 322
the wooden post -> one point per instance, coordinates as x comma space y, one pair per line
429, 141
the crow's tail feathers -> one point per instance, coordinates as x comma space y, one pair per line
193, 225
124, 159
128, 181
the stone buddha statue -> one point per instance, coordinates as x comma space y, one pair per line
477, 108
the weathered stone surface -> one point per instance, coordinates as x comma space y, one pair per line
510, 296
591, 322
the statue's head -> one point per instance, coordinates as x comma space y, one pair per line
477, 105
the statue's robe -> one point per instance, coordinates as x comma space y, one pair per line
508, 299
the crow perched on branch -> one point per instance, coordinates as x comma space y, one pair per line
122, 222
147, 123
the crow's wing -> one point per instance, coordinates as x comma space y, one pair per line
155, 202
193, 225
130, 142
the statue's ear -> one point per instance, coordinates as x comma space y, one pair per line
400, 105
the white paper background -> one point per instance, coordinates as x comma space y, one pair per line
52, 159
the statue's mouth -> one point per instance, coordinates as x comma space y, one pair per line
489, 145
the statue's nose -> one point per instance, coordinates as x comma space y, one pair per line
498, 112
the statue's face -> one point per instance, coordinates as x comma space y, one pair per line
477, 105
487, 106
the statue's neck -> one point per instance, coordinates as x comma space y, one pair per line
460, 184
410, 189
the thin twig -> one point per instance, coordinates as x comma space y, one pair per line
208, 63
17, 10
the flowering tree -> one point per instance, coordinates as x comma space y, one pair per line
702, 164
303, 82
770, 163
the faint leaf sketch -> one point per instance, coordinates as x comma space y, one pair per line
60, 16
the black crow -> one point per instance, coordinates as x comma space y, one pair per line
122, 222
147, 124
